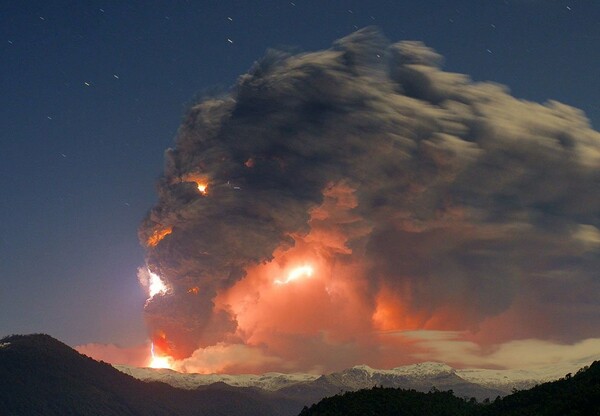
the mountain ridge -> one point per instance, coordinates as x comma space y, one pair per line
479, 383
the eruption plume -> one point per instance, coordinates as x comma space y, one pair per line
392, 197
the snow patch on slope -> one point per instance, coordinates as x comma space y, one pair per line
426, 369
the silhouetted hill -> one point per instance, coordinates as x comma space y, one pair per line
577, 395
383, 401
42, 376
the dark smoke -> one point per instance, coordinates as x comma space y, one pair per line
475, 202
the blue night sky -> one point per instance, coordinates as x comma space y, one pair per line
93, 93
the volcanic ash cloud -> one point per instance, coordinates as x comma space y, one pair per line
334, 201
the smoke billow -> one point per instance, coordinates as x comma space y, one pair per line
422, 201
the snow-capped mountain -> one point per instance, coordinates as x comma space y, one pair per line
191, 381
479, 383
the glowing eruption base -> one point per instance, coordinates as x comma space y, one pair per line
159, 361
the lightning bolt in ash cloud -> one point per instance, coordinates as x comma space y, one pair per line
361, 205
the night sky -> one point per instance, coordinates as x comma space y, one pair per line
94, 92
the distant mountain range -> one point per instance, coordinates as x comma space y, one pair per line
42, 376
478, 383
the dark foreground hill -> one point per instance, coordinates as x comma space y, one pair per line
42, 376
577, 395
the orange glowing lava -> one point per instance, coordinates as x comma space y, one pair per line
194, 290
295, 274
200, 181
158, 235
202, 187
159, 361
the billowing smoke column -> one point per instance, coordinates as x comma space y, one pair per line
336, 201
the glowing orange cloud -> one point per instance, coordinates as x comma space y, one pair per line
391, 315
324, 300
293, 315
229, 359
315, 299
158, 235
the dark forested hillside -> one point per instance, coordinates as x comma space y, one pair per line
573, 395
382, 401
577, 395
42, 376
